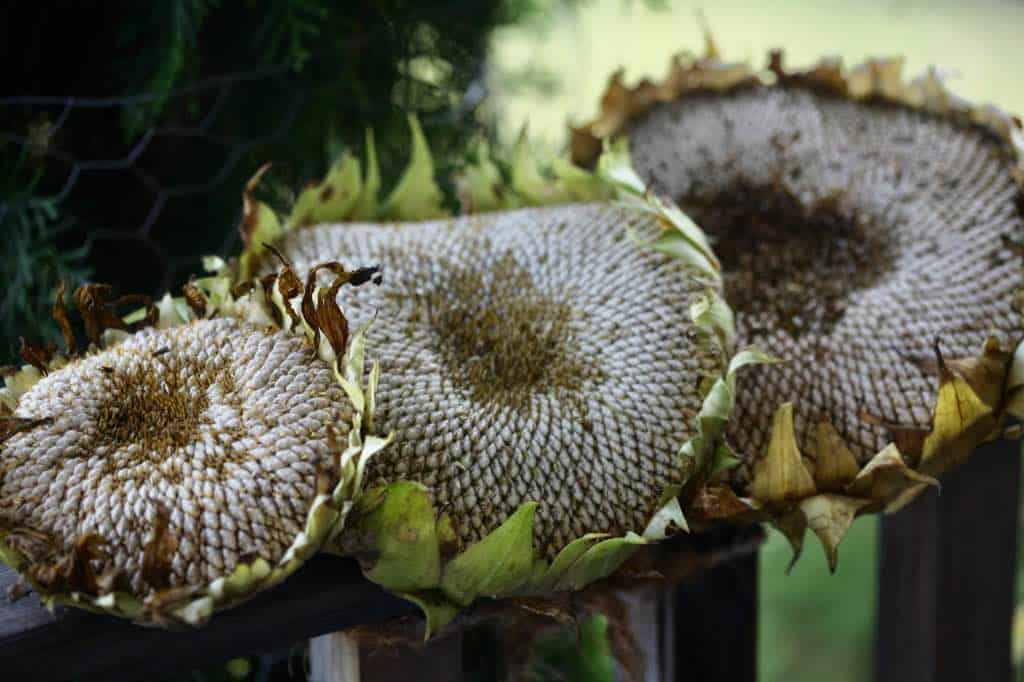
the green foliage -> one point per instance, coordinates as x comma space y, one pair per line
290, 30
170, 30
32, 261
815, 625
574, 656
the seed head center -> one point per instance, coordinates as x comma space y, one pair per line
798, 264
501, 336
156, 409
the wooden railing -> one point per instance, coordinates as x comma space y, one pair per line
946, 600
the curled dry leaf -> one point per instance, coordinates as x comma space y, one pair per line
60, 316
158, 553
195, 298
37, 356
98, 306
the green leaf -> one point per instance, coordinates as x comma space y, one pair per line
416, 196
332, 199
436, 607
499, 564
566, 558
600, 561
402, 526
479, 183
367, 205
526, 178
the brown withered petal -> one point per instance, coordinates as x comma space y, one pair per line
158, 553
288, 285
268, 282
323, 314
195, 298
250, 208
60, 316
99, 308
10, 426
37, 356
330, 320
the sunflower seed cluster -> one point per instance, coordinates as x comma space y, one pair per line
217, 424
538, 354
857, 234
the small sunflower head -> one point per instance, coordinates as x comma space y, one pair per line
169, 471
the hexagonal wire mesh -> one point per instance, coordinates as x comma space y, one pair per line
85, 194
139, 214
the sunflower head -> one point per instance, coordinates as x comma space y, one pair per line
868, 229
167, 471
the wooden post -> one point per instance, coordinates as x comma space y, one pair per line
948, 567
716, 623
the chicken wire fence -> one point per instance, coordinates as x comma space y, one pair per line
82, 201
133, 190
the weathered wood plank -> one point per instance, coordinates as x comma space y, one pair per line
948, 566
326, 595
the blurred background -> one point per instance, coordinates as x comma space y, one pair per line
128, 129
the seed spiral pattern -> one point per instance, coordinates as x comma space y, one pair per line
220, 424
537, 354
854, 235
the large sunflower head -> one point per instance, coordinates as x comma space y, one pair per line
555, 380
529, 356
869, 231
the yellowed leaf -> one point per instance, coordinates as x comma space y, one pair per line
781, 475
835, 465
887, 478
829, 517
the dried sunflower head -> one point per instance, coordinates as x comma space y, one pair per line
171, 471
870, 233
555, 379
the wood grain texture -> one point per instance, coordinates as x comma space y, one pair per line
947, 578
327, 594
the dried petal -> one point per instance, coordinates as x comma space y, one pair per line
886, 478
10, 426
195, 298
60, 315
158, 553
830, 516
793, 525
835, 465
37, 356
